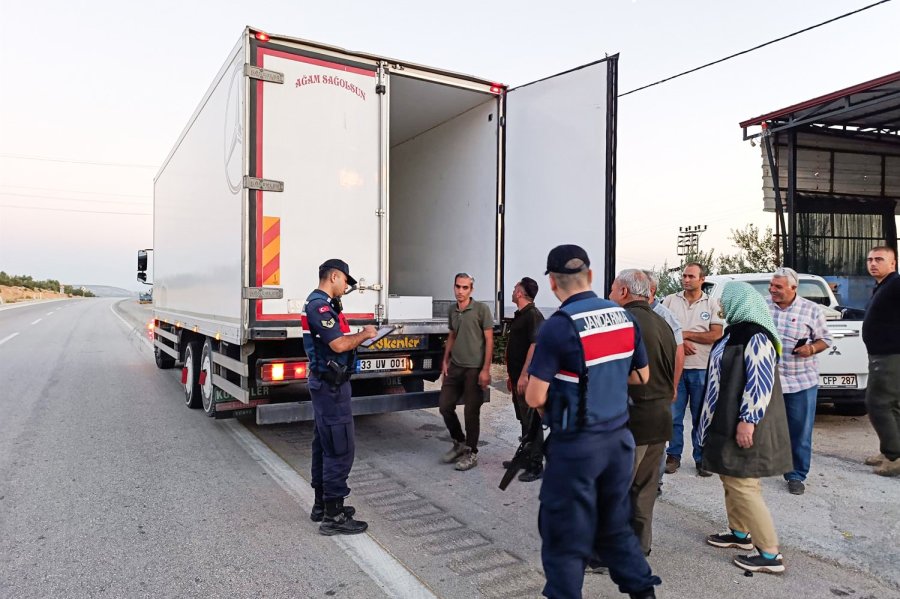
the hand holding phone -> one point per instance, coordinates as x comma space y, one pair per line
800, 343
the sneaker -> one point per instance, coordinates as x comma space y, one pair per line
888, 468
468, 460
875, 460
318, 511
457, 450
672, 464
727, 538
342, 524
755, 562
796, 487
532, 475
703, 473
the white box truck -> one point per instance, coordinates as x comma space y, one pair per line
301, 151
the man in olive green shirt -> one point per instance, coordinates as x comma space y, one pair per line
466, 370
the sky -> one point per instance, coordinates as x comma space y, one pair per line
95, 94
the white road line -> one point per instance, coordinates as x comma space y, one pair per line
37, 321
7, 338
49, 313
389, 574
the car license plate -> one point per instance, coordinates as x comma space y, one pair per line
382, 364
838, 381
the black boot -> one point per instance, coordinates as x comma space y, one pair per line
318, 509
648, 594
338, 522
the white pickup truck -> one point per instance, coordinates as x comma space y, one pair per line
844, 367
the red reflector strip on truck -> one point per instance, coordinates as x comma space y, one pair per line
284, 371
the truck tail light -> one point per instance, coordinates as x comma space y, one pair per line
275, 372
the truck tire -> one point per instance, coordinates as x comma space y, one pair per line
207, 392
192, 375
163, 360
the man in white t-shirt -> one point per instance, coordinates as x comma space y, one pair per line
701, 327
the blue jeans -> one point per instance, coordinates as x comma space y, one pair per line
801, 414
690, 390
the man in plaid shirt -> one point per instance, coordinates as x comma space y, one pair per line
804, 333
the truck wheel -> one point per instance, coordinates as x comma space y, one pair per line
191, 376
163, 360
207, 394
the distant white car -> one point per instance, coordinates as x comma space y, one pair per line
843, 367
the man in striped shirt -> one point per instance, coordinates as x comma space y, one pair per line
804, 333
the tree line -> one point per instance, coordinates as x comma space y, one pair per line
28, 282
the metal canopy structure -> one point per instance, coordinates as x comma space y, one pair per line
831, 166
872, 106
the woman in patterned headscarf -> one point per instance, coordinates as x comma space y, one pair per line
743, 426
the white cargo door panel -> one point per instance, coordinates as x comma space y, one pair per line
556, 154
319, 134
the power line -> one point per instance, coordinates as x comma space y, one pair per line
71, 210
59, 198
784, 37
96, 193
69, 161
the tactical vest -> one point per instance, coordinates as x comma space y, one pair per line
317, 351
597, 397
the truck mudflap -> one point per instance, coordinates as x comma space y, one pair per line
302, 411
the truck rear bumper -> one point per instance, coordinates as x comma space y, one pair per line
300, 411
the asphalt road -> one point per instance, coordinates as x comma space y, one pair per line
111, 487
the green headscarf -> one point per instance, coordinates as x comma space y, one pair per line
742, 303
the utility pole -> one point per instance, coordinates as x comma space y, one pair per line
689, 239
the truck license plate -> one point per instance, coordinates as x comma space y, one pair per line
837, 381
382, 364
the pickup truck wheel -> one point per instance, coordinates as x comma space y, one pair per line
163, 360
207, 393
191, 375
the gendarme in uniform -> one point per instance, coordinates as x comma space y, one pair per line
333, 445
579, 376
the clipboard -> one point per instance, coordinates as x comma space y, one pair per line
379, 335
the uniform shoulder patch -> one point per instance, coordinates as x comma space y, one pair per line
324, 309
328, 323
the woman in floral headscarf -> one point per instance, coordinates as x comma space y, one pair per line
743, 426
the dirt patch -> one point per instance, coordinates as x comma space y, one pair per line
11, 295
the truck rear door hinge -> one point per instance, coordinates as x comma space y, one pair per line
503, 121
262, 293
263, 74
263, 184
380, 89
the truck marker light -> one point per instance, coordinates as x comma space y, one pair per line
218, 336
496, 88
262, 36
184, 375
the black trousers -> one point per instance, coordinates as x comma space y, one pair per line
462, 382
